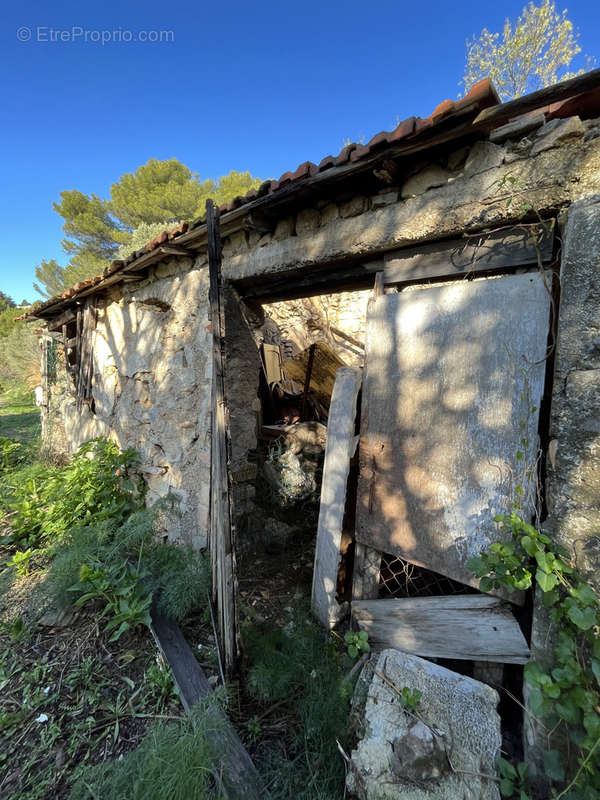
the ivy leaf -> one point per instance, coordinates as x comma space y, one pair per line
546, 580
567, 711
529, 545
538, 704
506, 769
486, 584
554, 766
591, 723
507, 788
583, 618
545, 560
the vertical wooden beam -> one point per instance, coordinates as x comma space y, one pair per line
308, 376
221, 535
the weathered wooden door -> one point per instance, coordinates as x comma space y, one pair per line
453, 382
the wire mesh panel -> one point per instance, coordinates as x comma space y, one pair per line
400, 578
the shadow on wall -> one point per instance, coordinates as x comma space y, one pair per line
152, 389
447, 431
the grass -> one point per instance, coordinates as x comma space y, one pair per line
19, 416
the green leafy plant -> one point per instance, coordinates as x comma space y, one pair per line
357, 642
127, 599
410, 698
160, 687
20, 562
12, 454
513, 782
99, 484
565, 694
305, 673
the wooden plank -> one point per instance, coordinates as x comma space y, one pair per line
56, 324
471, 627
367, 565
234, 770
339, 451
520, 246
325, 364
221, 534
491, 117
452, 373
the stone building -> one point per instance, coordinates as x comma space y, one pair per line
299, 259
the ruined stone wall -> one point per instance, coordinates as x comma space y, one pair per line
152, 388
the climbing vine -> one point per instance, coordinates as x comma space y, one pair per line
564, 697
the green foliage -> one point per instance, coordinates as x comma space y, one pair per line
410, 699
180, 576
534, 53
20, 354
567, 694
300, 668
174, 761
358, 642
12, 455
96, 486
157, 194
513, 782
20, 562
142, 235
160, 688
8, 314
6, 301
127, 599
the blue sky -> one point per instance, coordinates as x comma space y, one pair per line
260, 86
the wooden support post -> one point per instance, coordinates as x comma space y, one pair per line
221, 535
340, 448
309, 368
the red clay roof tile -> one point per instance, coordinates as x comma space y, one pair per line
482, 95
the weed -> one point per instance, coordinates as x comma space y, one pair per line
302, 670
357, 642
159, 686
122, 588
20, 562
410, 698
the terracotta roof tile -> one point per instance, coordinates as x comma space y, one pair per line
482, 95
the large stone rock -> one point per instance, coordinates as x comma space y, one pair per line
556, 132
440, 752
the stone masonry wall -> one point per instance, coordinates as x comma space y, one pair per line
152, 388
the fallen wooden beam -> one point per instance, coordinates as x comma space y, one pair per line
472, 627
341, 445
234, 768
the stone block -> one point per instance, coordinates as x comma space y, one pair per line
329, 214
284, 228
384, 199
457, 158
307, 220
557, 132
444, 754
352, 208
428, 178
483, 156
